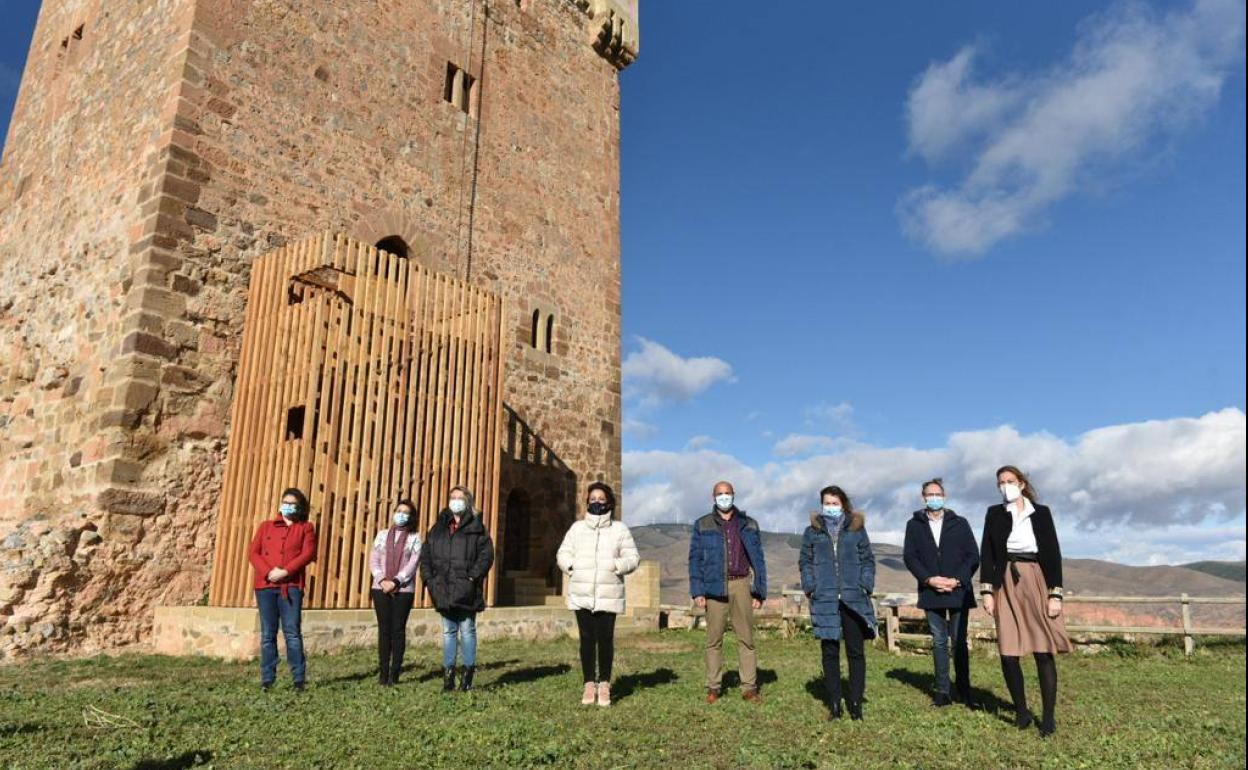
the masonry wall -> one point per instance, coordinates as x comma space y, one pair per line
247, 123
79, 151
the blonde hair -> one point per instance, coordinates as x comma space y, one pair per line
468, 498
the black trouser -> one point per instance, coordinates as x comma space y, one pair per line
1046, 669
597, 641
392, 611
853, 631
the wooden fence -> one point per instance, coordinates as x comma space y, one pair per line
363, 378
891, 604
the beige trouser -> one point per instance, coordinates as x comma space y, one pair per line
741, 610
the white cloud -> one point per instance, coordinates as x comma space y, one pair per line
638, 429
796, 444
1133, 76
655, 375
699, 442
839, 416
1105, 487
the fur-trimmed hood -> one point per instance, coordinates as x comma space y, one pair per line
857, 520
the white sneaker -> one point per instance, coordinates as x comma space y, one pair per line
604, 693
591, 691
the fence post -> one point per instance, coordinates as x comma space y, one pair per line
1189, 642
892, 627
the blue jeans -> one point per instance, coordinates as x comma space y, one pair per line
289, 613
459, 629
949, 628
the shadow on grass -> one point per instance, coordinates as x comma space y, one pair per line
24, 728
525, 675
926, 683
409, 668
436, 673
184, 760
815, 687
625, 686
732, 679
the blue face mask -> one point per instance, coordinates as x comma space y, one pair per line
833, 511
935, 503
289, 510
401, 518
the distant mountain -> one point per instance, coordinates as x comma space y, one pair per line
668, 544
1230, 570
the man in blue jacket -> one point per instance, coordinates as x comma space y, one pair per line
728, 578
940, 551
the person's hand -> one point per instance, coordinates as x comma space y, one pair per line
700, 601
277, 574
387, 585
990, 605
1055, 606
757, 604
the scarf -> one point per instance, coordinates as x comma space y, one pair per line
394, 551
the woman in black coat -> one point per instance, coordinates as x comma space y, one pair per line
456, 558
940, 551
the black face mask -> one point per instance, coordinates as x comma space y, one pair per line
597, 509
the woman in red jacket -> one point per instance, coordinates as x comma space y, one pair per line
282, 547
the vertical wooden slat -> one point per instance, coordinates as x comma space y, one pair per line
227, 546
400, 379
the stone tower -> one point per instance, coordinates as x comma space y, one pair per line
158, 146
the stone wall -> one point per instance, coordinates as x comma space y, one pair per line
234, 633
186, 138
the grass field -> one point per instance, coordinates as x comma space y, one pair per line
1128, 707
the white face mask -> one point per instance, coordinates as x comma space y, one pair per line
1010, 492
458, 505
723, 502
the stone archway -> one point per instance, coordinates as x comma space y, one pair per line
387, 228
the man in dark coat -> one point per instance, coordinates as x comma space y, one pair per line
940, 551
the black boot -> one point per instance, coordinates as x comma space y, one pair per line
448, 679
394, 675
834, 711
465, 681
383, 678
1023, 719
855, 711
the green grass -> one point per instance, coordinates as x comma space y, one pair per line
1151, 708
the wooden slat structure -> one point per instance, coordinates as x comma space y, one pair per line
364, 378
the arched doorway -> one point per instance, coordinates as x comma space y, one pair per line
393, 244
516, 532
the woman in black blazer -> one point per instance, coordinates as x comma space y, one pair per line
1021, 570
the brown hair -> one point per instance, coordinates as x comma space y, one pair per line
1029, 489
835, 491
938, 481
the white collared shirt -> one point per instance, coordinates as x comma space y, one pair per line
1022, 537
935, 522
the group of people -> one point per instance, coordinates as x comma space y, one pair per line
452, 560
1018, 560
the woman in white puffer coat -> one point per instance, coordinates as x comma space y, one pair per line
596, 554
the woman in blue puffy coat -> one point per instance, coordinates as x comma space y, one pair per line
838, 576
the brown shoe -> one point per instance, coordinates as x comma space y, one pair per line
752, 696
712, 696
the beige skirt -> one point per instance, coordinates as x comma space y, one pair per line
1023, 623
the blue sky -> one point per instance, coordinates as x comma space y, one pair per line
864, 248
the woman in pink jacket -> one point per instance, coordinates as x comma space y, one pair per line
393, 562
